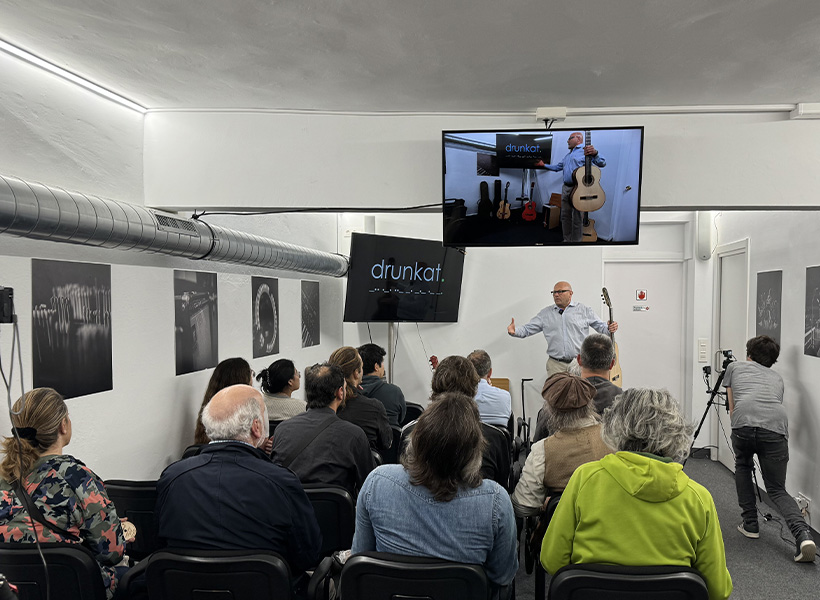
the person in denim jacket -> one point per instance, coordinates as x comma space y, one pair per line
435, 503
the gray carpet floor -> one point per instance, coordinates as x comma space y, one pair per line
761, 569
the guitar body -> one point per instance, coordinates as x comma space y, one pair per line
615, 374
529, 213
588, 195
589, 234
504, 208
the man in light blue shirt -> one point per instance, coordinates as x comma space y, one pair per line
571, 220
565, 325
494, 404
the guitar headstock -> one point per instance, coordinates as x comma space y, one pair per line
605, 296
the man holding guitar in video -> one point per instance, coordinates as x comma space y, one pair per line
571, 219
565, 325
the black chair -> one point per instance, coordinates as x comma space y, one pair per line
392, 455
272, 425
614, 582
136, 500
496, 463
413, 412
192, 450
532, 556
336, 514
177, 574
382, 576
73, 572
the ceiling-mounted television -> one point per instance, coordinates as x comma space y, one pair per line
519, 187
402, 279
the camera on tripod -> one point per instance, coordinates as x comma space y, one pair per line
728, 358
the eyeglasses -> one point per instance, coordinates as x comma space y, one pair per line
556, 292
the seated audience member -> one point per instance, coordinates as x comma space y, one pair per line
637, 507
494, 404
760, 426
317, 445
230, 371
356, 408
595, 360
67, 493
278, 383
375, 386
576, 440
232, 496
457, 374
435, 503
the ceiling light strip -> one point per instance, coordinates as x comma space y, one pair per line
32, 59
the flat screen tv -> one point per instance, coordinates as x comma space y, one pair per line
402, 279
506, 188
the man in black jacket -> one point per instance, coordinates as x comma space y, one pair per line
375, 386
231, 496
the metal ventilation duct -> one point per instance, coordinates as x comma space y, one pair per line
36, 211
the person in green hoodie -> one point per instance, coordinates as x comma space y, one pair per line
637, 507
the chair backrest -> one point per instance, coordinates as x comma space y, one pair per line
136, 500
413, 412
496, 462
73, 573
391, 455
272, 425
176, 574
382, 576
614, 582
192, 450
336, 514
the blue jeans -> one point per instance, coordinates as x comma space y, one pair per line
772, 451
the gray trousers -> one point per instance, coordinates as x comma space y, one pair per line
572, 221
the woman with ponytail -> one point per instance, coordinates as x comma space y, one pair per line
71, 498
278, 382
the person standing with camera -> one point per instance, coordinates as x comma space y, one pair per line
760, 426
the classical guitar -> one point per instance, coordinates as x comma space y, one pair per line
485, 205
504, 208
530, 213
615, 375
589, 234
588, 195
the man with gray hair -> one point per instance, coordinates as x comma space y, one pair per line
595, 360
494, 404
231, 496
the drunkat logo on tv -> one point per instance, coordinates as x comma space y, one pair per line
415, 272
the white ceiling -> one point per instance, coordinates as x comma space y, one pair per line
429, 56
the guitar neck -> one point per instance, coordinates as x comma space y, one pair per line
587, 159
611, 318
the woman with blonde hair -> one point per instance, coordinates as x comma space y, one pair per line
367, 413
71, 498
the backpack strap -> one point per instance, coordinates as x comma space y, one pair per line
308, 440
35, 513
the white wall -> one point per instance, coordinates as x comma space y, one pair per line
144, 423
57, 133
255, 159
787, 242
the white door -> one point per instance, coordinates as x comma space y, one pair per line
731, 318
650, 340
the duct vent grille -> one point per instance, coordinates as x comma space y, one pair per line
166, 223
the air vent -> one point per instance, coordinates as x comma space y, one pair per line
172, 224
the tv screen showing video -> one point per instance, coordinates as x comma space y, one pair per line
542, 187
402, 279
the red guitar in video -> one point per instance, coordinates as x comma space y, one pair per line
529, 213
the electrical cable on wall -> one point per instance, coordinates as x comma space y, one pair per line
8, 384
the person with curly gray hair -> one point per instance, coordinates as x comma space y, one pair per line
637, 507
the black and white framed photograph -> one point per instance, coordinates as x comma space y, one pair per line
265, 299
196, 331
811, 341
71, 327
769, 301
310, 313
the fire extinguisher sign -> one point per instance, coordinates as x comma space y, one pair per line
640, 295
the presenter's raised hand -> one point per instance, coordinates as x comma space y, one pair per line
511, 327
